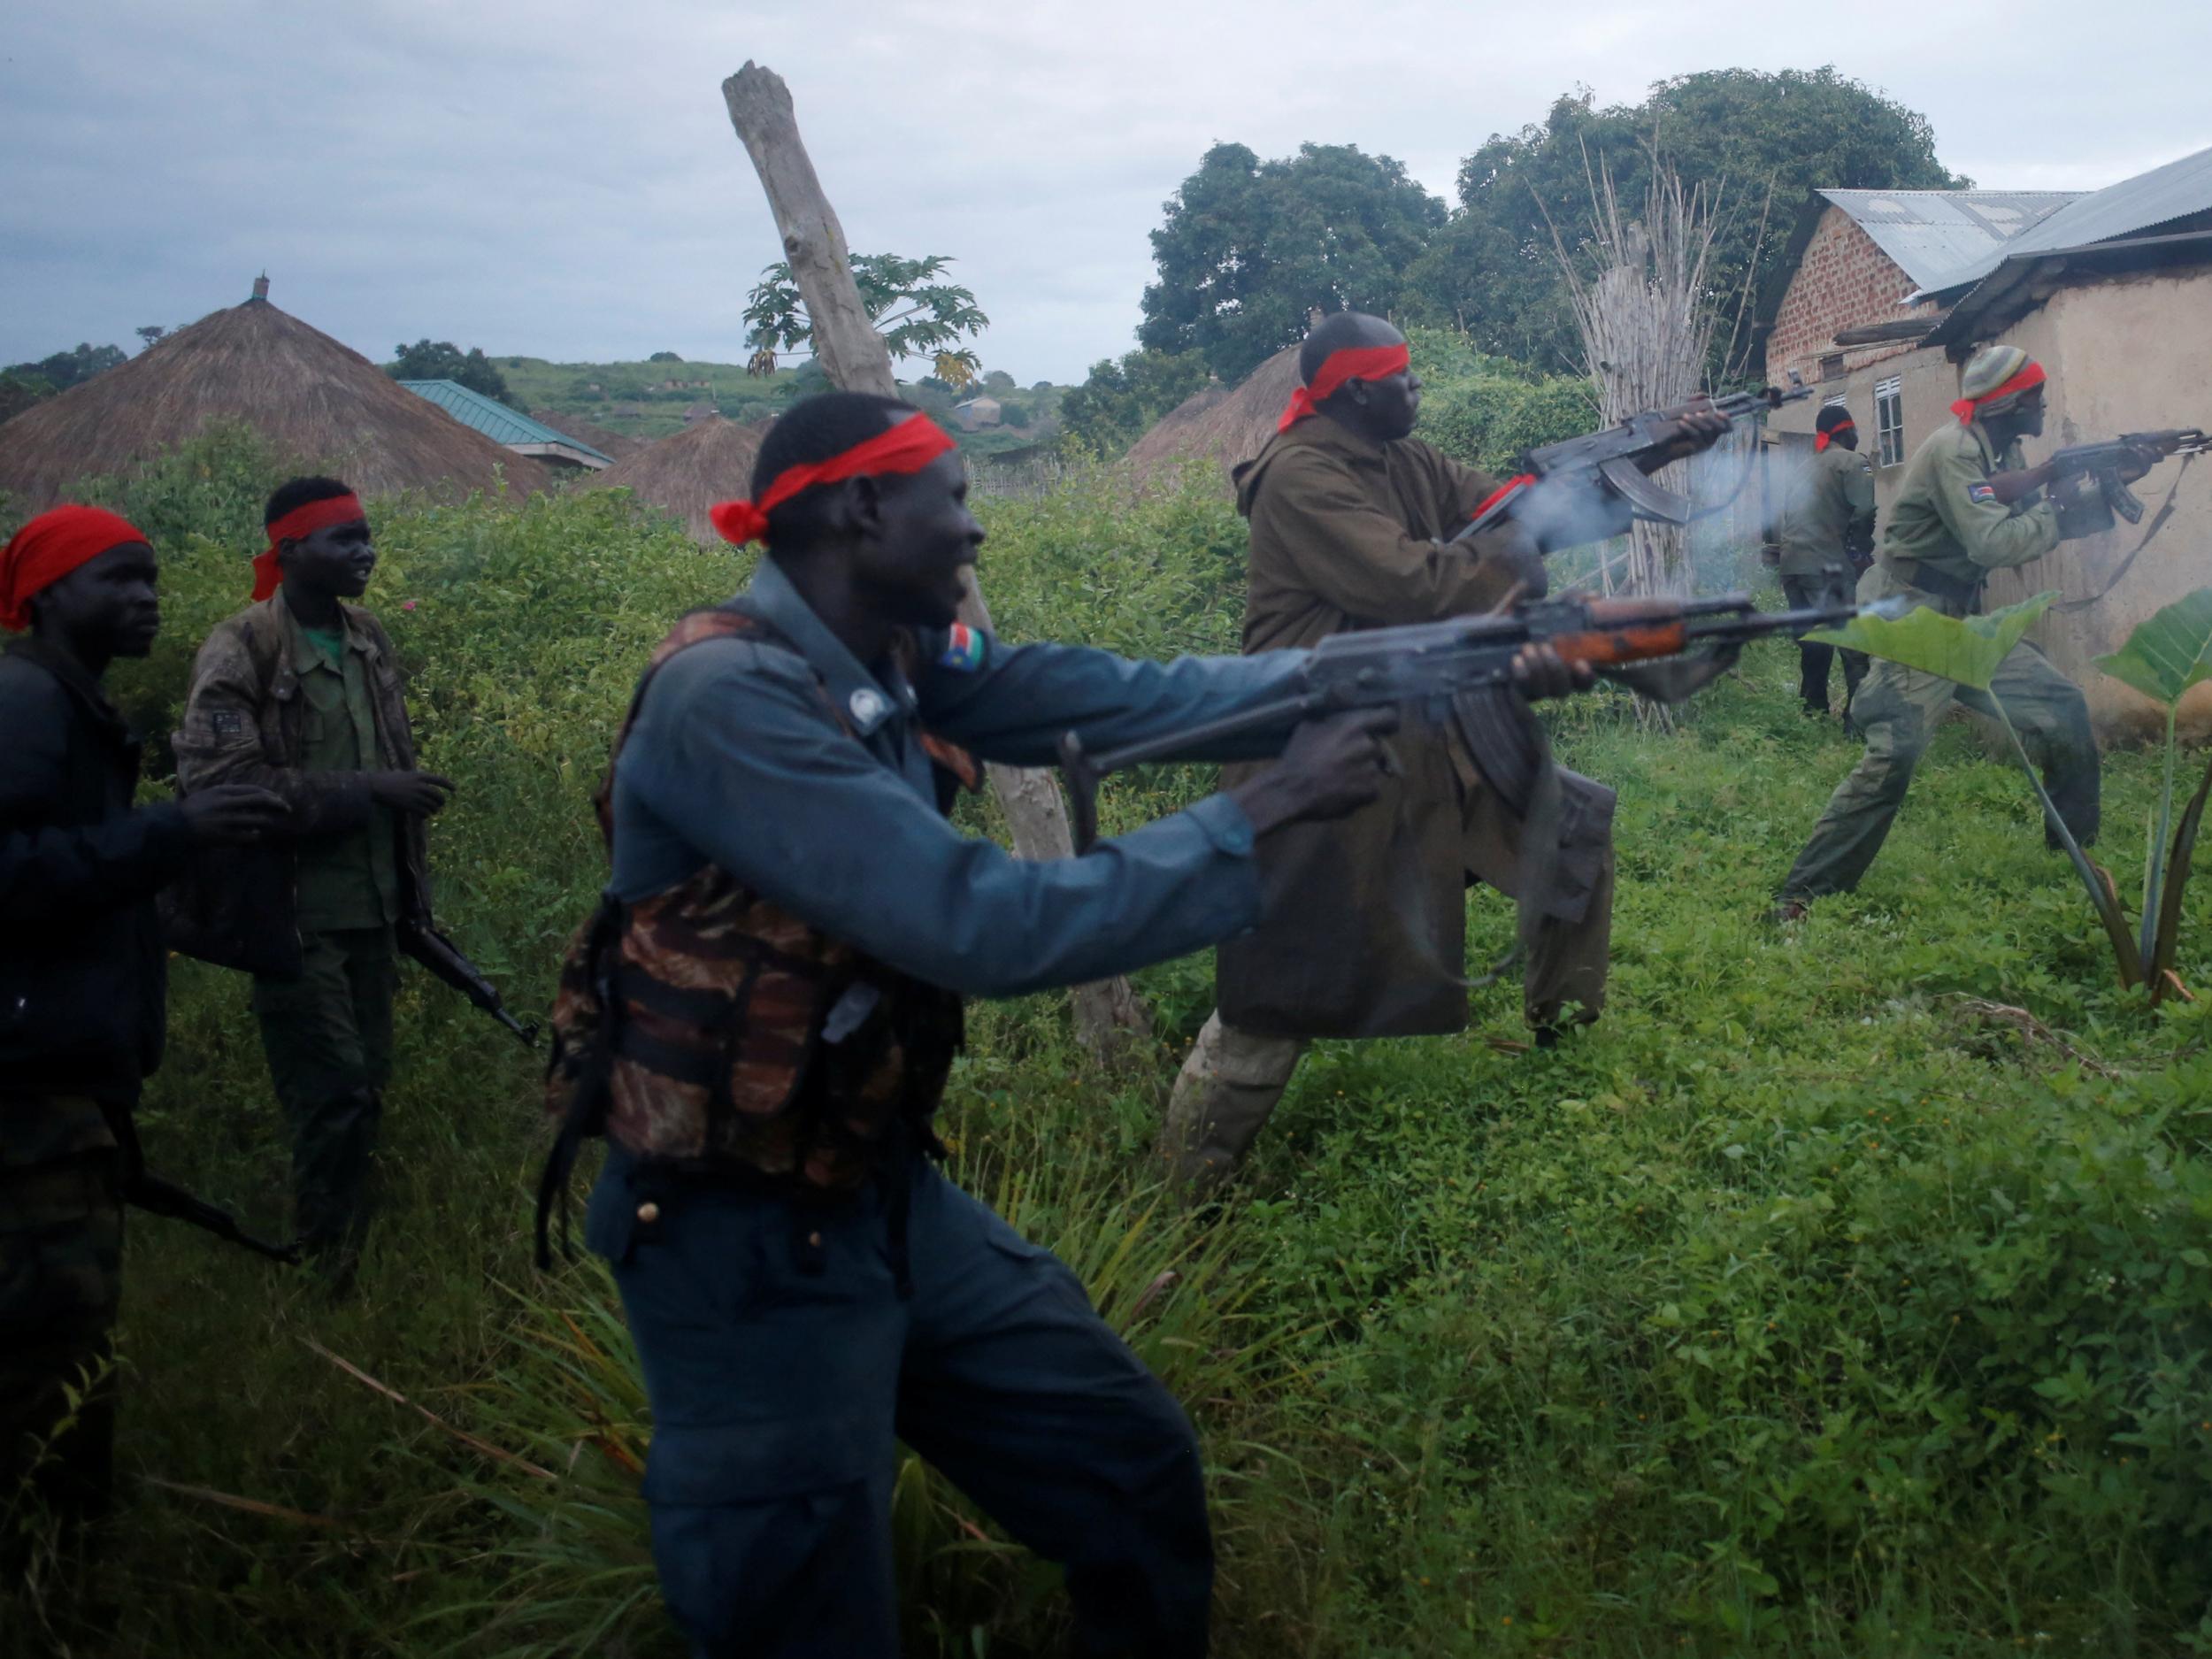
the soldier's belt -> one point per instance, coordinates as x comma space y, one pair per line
1931, 580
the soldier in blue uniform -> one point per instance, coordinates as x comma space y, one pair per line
791, 923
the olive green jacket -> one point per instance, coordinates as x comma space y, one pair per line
1365, 923
1948, 524
245, 723
1828, 496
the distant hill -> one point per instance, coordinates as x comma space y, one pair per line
647, 400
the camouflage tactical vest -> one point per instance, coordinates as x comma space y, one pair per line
708, 1030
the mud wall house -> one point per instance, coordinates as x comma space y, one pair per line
2111, 290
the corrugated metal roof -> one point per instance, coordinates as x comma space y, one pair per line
493, 418
2129, 208
1929, 232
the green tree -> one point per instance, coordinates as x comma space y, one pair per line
65, 369
917, 313
1119, 399
998, 382
1765, 141
1016, 415
442, 360
666, 357
1250, 247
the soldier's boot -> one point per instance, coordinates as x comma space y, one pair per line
1895, 707
1227, 1090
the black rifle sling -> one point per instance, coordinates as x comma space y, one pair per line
2158, 523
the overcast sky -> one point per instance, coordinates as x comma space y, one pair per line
561, 181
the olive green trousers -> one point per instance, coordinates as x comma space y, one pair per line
328, 1038
1896, 711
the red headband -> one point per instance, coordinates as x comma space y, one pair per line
1354, 363
296, 523
1820, 439
908, 447
1966, 407
47, 549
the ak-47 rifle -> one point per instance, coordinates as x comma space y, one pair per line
1587, 488
2102, 462
1462, 669
443, 958
157, 1197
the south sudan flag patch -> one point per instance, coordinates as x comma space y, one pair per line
1980, 494
965, 649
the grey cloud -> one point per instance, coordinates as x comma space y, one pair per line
559, 179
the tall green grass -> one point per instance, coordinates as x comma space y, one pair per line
1844, 1291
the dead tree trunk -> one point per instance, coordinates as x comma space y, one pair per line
855, 359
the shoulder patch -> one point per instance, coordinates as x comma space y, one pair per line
228, 723
964, 650
1981, 493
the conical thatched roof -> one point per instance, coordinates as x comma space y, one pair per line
315, 400
618, 445
1227, 428
710, 460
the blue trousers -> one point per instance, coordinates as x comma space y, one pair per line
783, 1365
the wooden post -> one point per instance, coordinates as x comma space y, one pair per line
855, 359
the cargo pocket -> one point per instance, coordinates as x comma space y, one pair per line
770, 1534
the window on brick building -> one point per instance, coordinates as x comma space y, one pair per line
1889, 419
1832, 366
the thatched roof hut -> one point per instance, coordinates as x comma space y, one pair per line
1225, 427
620, 445
710, 460
315, 400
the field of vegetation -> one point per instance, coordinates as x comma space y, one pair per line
1845, 1292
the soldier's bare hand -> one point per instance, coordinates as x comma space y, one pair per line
1697, 429
1541, 672
230, 813
417, 793
1329, 768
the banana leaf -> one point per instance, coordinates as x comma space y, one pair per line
2164, 657
1967, 650
2168, 653
2158, 967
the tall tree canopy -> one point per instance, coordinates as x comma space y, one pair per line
1764, 140
1249, 247
442, 360
65, 369
1111, 409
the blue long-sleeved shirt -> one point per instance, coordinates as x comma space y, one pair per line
735, 761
